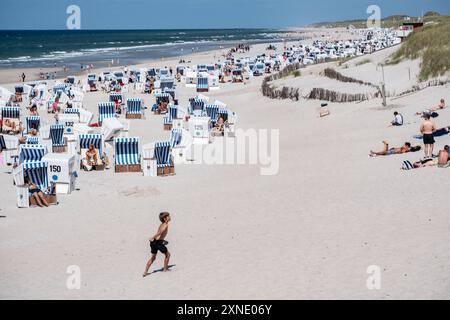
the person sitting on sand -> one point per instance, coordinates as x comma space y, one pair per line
444, 157
390, 151
157, 243
36, 193
398, 119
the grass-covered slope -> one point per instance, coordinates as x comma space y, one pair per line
432, 44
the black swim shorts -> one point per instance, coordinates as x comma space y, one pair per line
428, 139
156, 245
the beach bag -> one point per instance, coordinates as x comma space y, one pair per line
407, 165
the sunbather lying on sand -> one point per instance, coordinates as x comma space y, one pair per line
390, 151
443, 161
440, 106
12, 126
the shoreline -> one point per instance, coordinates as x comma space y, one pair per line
299, 35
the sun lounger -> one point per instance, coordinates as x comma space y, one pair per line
59, 143
127, 156
106, 110
134, 109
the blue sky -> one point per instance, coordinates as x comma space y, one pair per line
180, 14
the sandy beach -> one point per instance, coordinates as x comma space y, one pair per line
308, 232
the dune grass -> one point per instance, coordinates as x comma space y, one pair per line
432, 44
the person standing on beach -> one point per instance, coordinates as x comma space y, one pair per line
157, 243
427, 128
23, 76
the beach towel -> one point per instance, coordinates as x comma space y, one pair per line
438, 133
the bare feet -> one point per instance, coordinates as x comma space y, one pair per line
166, 270
145, 274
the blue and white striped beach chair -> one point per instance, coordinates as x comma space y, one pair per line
114, 97
36, 171
222, 113
175, 137
173, 111
57, 136
95, 139
167, 84
127, 155
11, 113
134, 108
197, 107
171, 92
33, 122
31, 152
162, 97
202, 84
164, 163
211, 111
60, 87
106, 110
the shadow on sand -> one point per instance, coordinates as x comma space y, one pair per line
161, 270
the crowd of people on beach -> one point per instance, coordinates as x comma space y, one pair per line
428, 132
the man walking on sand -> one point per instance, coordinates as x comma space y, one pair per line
427, 128
157, 243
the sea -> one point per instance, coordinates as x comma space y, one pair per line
74, 48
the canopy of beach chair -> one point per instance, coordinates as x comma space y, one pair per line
162, 153
36, 171
31, 152
57, 135
95, 139
134, 106
106, 110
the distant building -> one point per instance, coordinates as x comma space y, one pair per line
407, 28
